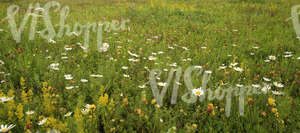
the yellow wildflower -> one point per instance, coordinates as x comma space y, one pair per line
271, 101
103, 100
153, 101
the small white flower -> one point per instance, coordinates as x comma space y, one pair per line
104, 47
64, 57
161, 120
83, 80
42, 121
67, 48
142, 86
208, 72
277, 93
222, 67
266, 88
52, 41
271, 57
165, 70
255, 85
234, 45
126, 76
233, 64
6, 128
198, 67
255, 47
238, 69
267, 60
287, 56
54, 66
68, 77
30, 112
203, 47
239, 85
68, 114
198, 91
124, 67
133, 60
298, 58
69, 87
96, 75
185, 48
161, 84
173, 65
279, 85
6, 99
152, 58
170, 47
160, 52
2, 62
266, 79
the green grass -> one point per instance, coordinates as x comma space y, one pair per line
216, 25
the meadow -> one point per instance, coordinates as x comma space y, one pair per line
54, 80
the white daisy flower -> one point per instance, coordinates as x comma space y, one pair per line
83, 80
30, 112
185, 48
52, 41
142, 86
104, 48
6, 99
222, 67
126, 76
277, 93
279, 85
68, 114
160, 52
238, 69
133, 60
271, 57
64, 57
6, 128
2, 62
42, 121
266, 88
124, 67
68, 77
69, 87
173, 65
266, 79
239, 85
96, 75
255, 85
152, 58
198, 91
287, 56
170, 47
54, 66
233, 64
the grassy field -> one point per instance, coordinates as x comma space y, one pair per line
58, 84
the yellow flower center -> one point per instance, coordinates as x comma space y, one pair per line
4, 130
198, 93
